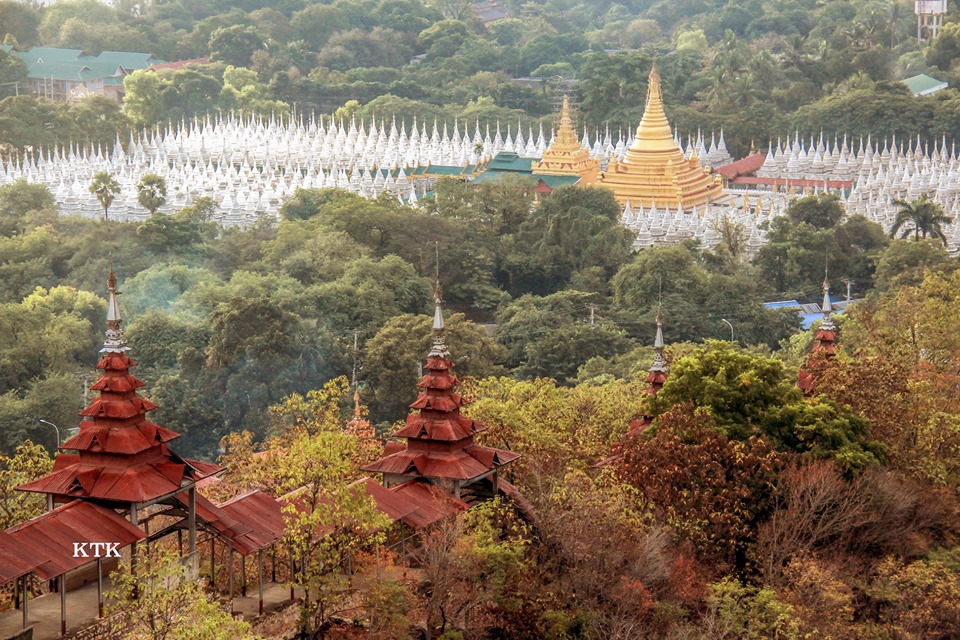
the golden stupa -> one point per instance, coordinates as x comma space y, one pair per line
654, 169
565, 157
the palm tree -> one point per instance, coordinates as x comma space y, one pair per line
926, 216
105, 187
152, 192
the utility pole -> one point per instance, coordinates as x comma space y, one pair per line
849, 283
592, 317
353, 379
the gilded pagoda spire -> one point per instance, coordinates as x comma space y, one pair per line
654, 168
566, 156
114, 342
566, 137
653, 133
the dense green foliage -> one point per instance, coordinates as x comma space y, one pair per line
729, 505
758, 69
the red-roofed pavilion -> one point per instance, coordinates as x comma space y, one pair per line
824, 345
439, 439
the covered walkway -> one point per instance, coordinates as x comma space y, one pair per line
44, 611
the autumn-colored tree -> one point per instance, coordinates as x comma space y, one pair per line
31, 461
748, 612
557, 428
912, 324
823, 601
751, 395
389, 605
713, 490
612, 560
813, 506
162, 601
819, 511
469, 561
311, 462
918, 600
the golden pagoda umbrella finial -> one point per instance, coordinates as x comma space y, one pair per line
654, 132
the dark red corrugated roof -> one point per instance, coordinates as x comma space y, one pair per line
264, 517
459, 464
742, 166
524, 505
49, 539
417, 504
13, 561
429, 503
792, 182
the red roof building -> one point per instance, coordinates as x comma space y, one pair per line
824, 345
655, 380
121, 457
440, 448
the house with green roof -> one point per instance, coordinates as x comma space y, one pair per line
60, 75
508, 163
924, 85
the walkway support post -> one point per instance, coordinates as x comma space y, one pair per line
62, 583
26, 597
230, 575
99, 588
260, 577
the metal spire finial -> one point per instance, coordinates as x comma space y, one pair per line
357, 411
659, 361
439, 339
114, 342
827, 306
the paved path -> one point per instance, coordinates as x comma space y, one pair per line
82, 609
45, 612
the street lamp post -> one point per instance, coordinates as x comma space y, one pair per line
724, 320
55, 427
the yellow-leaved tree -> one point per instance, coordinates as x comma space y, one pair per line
161, 601
311, 464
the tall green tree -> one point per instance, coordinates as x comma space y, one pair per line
105, 187
152, 192
574, 230
924, 215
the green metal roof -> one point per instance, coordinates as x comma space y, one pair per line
557, 181
125, 59
509, 161
445, 170
923, 84
71, 64
495, 175
62, 71
51, 54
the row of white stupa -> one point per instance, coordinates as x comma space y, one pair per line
248, 167
879, 177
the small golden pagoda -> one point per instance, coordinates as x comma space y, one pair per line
654, 169
565, 157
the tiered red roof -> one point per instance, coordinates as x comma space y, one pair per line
439, 438
824, 345
120, 455
655, 380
